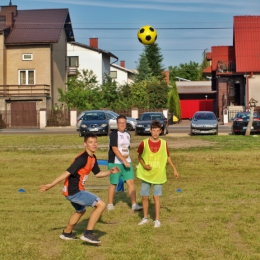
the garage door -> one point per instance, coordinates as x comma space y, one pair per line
23, 114
189, 107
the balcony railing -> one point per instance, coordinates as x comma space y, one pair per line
24, 90
226, 66
72, 71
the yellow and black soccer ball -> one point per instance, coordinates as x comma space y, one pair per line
147, 35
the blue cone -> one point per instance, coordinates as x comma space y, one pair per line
178, 190
120, 185
21, 190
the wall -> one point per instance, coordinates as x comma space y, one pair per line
2, 59
59, 72
254, 87
88, 60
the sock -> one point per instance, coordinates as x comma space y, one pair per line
88, 232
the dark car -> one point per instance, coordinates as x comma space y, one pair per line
204, 122
144, 122
241, 120
94, 121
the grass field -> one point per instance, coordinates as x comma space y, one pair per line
215, 216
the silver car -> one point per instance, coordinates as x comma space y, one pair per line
204, 122
131, 122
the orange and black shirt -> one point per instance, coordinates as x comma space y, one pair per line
79, 170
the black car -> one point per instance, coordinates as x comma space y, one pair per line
144, 122
241, 120
94, 121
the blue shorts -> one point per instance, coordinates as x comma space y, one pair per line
83, 199
125, 173
145, 189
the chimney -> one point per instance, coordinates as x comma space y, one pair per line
122, 63
8, 8
166, 76
93, 42
9, 19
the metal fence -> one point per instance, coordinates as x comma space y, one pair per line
58, 117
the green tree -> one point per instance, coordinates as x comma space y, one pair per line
79, 93
190, 71
139, 97
155, 58
144, 71
204, 64
174, 101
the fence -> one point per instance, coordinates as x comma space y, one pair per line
58, 117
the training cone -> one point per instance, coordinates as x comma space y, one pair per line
21, 190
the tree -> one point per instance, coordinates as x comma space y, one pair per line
144, 71
190, 71
155, 58
204, 64
79, 93
174, 101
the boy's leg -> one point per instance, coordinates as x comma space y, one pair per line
74, 219
145, 200
111, 193
157, 206
95, 215
131, 191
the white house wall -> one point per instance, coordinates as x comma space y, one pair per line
90, 60
254, 88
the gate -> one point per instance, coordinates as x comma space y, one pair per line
23, 114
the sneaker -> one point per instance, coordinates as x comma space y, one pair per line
68, 236
157, 223
90, 238
136, 207
110, 207
143, 221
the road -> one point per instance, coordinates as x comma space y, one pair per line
182, 128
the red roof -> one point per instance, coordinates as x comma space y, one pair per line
221, 53
247, 43
207, 70
39, 26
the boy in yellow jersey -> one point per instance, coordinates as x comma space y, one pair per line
153, 157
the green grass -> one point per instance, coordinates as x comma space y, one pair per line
216, 216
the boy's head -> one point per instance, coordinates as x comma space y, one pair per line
155, 124
155, 129
90, 143
121, 123
89, 135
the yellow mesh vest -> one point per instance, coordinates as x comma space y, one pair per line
158, 160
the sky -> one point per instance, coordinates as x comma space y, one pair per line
185, 28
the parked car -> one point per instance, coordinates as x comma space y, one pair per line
94, 121
144, 122
130, 122
204, 122
241, 120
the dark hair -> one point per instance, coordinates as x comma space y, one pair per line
89, 135
119, 117
155, 124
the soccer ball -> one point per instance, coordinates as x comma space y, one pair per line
147, 35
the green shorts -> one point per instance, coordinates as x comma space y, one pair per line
125, 173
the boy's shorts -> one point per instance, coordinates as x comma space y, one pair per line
145, 189
83, 199
125, 173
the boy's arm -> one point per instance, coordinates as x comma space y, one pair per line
141, 160
176, 174
46, 187
106, 173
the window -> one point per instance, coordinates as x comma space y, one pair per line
113, 74
73, 61
26, 77
27, 56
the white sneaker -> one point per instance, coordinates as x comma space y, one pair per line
157, 223
143, 221
136, 207
110, 207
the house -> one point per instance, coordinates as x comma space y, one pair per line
236, 69
33, 51
121, 74
89, 57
